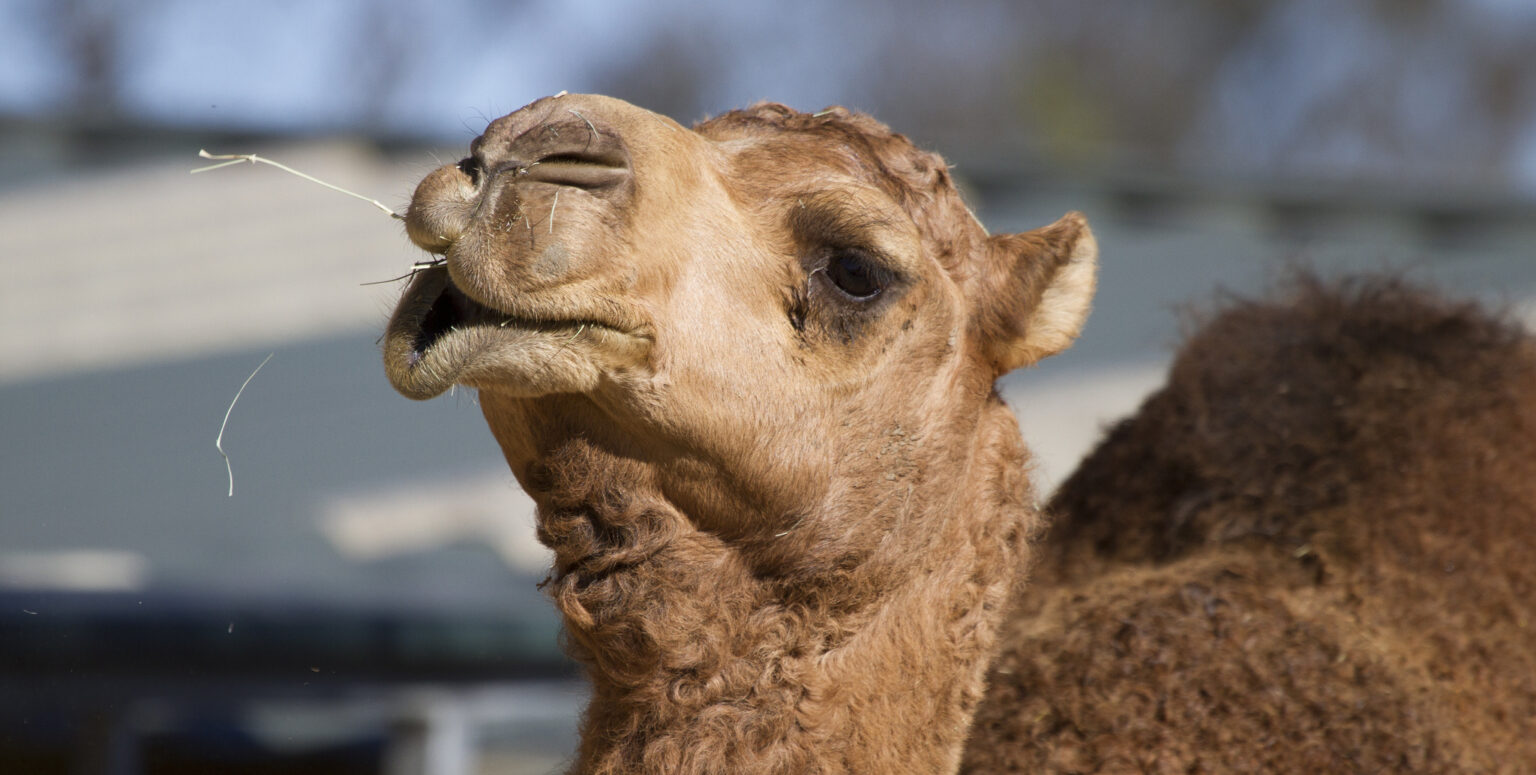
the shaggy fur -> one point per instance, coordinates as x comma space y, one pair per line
701, 665
786, 520
1314, 550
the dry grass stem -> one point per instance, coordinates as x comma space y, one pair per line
218, 443
416, 268
588, 120
237, 158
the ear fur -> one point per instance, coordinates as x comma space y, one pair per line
1035, 292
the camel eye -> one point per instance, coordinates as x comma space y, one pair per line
855, 276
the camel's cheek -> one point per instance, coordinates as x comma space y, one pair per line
741, 457
769, 426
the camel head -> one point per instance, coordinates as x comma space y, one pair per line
760, 309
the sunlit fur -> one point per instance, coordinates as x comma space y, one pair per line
786, 525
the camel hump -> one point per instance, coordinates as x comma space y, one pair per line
1348, 414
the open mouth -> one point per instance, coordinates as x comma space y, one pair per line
439, 337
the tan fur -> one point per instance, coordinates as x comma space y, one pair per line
1313, 551
786, 523
1063, 309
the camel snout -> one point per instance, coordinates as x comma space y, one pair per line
441, 208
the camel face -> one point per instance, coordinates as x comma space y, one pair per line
537, 294
767, 308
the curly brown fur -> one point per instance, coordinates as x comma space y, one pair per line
1314, 550
697, 661
787, 511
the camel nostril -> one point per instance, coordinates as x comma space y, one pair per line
585, 169
470, 166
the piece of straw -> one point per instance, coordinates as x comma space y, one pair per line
218, 443
588, 120
416, 268
227, 159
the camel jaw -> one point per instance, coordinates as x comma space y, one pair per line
439, 337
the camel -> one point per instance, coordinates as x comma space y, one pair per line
1313, 550
746, 371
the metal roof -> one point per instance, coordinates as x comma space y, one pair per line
150, 263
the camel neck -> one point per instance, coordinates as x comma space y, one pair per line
700, 663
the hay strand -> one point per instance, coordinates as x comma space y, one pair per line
218, 443
228, 159
416, 268
590, 125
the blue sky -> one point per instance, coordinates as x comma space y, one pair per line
448, 66
290, 64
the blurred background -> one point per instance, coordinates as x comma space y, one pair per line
366, 599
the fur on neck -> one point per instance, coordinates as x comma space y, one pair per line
864, 659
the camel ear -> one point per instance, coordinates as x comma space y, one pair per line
1036, 291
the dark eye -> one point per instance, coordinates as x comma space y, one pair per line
855, 276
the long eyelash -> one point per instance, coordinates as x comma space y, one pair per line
877, 267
